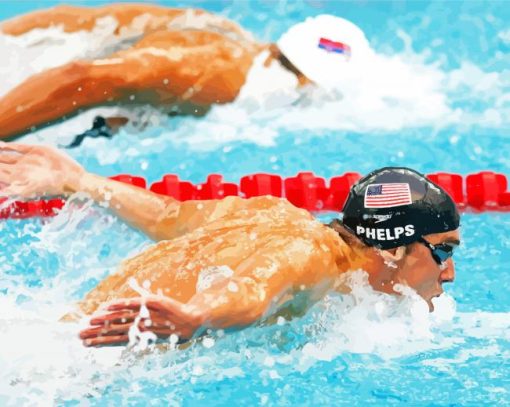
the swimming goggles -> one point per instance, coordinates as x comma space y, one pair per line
440, 252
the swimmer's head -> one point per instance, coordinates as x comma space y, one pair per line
325, 48
411, 223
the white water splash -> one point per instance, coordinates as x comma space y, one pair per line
367, 321
140, 340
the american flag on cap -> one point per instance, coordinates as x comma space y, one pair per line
387, 195
334, 46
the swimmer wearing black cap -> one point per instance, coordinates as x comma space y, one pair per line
230, 263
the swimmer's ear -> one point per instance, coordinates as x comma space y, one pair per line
395, 254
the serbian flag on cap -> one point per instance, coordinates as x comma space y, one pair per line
334, 46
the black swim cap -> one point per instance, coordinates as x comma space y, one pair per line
395, 206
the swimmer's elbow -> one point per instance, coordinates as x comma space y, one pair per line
168, 224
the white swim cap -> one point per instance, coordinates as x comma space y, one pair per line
324, 48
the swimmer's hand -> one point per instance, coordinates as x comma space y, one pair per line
29, 171
165, 317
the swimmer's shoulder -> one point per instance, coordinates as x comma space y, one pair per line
323, 235
279, 209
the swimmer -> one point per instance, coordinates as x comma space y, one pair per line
179, 60
230, 263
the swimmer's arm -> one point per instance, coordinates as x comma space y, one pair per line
266, 281
158, 216
28, 171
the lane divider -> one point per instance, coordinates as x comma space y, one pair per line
481, 192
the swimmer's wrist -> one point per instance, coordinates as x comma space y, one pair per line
76, 182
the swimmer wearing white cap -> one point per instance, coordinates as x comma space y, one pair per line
180, 60
259, 255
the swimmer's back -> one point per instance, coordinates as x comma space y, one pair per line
251, 238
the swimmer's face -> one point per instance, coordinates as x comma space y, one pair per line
421, 272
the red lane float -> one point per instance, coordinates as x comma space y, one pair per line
261, 184
215, 188
29, 209
340, 187
306, 191
171, 186
484, 191
310, 192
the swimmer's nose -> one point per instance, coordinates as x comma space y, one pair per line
448, 274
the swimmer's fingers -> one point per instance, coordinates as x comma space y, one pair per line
152, 303
114, 317
133, 304
118, 333
118, 340
105, 330
118, 318
164, 305
9, 158
109, 329
17, 147
121, 340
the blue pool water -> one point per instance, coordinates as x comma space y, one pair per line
365, 348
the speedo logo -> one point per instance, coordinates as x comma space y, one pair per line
385, 234
382, 218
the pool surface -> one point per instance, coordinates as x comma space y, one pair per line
363, 348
